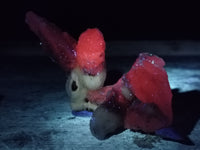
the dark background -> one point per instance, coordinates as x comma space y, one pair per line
118, 20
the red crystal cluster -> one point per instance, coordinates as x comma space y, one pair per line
148, 81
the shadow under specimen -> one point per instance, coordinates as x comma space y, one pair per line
186, 112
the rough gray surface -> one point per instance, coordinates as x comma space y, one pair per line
35, 112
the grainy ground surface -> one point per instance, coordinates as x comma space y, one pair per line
35, 112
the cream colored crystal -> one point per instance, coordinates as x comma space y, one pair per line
82, 83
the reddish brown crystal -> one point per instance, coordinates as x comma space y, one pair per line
60, 45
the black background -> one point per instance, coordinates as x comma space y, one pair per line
118, 20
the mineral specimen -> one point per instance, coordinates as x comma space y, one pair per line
141, 98
83, 62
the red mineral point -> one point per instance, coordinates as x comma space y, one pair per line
91, 51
